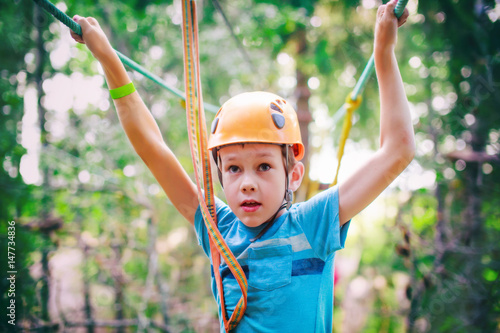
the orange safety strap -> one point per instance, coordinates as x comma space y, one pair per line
201, 160
350, 106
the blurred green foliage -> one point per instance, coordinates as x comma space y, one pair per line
431, 263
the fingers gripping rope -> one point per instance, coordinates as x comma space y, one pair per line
68, 21
353, 100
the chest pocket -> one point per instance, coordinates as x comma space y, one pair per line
270, 267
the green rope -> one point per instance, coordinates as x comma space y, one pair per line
368, 70
363, 79
67, 21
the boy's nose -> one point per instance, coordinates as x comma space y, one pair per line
248, 185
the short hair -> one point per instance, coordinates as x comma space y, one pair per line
290, 163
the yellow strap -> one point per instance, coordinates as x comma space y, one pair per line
350, 106
201, 160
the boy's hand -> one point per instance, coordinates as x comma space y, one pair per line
386, 26
93, 37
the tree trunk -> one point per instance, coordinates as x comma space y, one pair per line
473, 237
41, 59
86, 291
119, 284
302, 94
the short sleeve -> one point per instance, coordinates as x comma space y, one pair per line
223, 214
319, 219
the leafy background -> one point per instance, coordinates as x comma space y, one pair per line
100, 248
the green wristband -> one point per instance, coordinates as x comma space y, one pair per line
122, 91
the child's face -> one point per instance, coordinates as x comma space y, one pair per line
254, 181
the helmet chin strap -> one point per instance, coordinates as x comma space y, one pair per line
286, 205
288, 192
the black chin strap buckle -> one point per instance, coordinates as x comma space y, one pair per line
288, 192
288, 199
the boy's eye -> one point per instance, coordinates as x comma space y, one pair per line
233, 168
264, 167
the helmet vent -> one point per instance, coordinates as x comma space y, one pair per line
274, 106
214, 125
279, 120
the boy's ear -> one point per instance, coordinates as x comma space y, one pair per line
296, 175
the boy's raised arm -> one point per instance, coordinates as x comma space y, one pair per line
397, 144
139, 124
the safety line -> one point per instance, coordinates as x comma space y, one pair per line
239, 44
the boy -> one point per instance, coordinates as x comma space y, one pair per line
287, 254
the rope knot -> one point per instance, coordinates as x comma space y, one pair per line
352, 104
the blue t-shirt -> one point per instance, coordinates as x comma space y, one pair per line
289, 269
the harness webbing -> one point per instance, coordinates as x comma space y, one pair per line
353, 100
201, 161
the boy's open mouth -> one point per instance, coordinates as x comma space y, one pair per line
250, 206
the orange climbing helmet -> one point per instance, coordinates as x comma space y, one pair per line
256, 117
